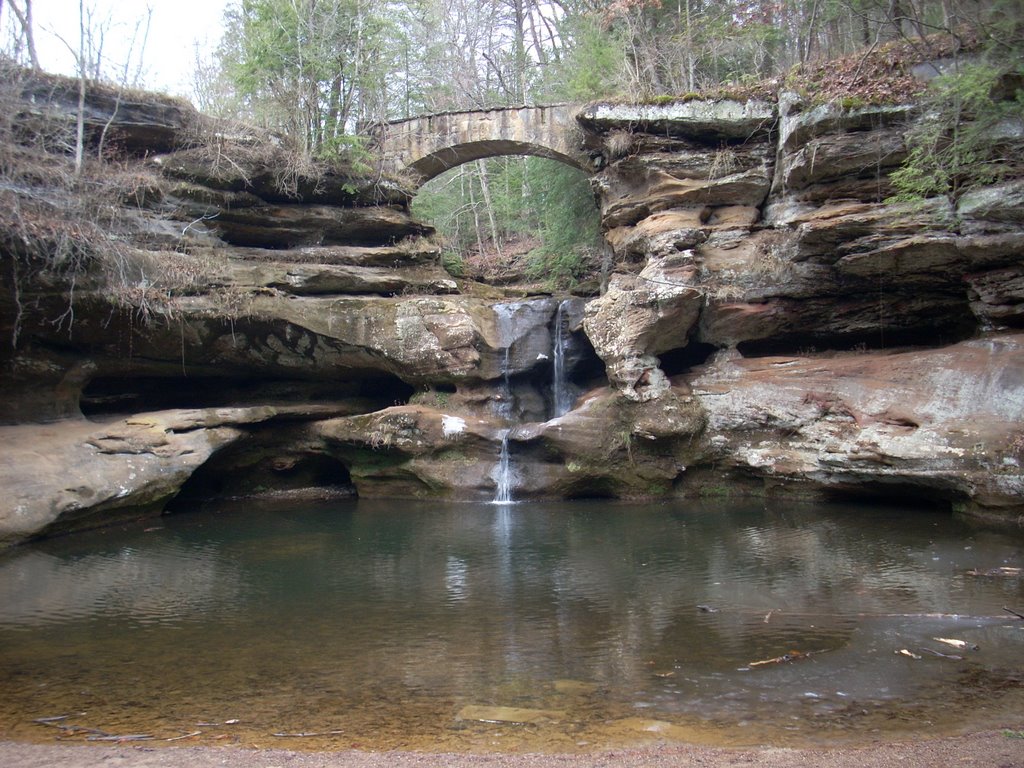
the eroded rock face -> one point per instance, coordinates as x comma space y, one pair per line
819, 263
153, 123
941, 423
416, 452
317, 341
611, 445
241, 220
637, 319
606, 446
76, 474
828, 151
82, 475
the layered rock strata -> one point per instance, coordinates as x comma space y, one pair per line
860, 347
772, 326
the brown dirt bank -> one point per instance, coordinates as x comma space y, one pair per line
990, 749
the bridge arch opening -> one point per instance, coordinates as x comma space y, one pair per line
530, 227
445, 159
517, 218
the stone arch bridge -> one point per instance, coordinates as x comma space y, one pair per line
428, 146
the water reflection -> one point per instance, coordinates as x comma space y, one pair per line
166, 584
390, 617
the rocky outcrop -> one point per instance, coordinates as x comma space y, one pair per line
710, 121
806, 274
77, 474
772, 326
639, 318
607, 446
816, 265
612, 446
927, 424
415, 451
83, 474
139, 123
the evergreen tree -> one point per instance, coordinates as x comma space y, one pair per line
968, 134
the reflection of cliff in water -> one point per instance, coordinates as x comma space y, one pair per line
166, 582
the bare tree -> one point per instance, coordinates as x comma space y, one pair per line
80, 119
24, 17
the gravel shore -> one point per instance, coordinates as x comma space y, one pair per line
987, 750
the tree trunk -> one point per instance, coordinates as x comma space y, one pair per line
80, 119
25, 21
30, 38
485, 189
808, 47
769, 18
520, 52
476, 220
332, 128
898, 18
691, 58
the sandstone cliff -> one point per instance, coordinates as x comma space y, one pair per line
210, 321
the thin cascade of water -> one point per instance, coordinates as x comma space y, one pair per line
561, 396
503, 407
503, 477
502, 474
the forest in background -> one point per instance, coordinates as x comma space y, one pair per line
324, 72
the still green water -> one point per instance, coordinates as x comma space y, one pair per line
403, 625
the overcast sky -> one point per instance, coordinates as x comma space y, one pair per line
177, 27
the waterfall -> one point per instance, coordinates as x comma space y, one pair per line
561, 396
503, 477
503, 409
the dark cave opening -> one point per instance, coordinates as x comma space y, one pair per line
255, 472
583, 371
591, 489
586, 369
681, 360
112, 395
940, 335
899, 494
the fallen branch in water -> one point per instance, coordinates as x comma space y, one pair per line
95, 734
73, 730
784, 658
184, 736
1018, 615
305, 734
1004, 570
950, 656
